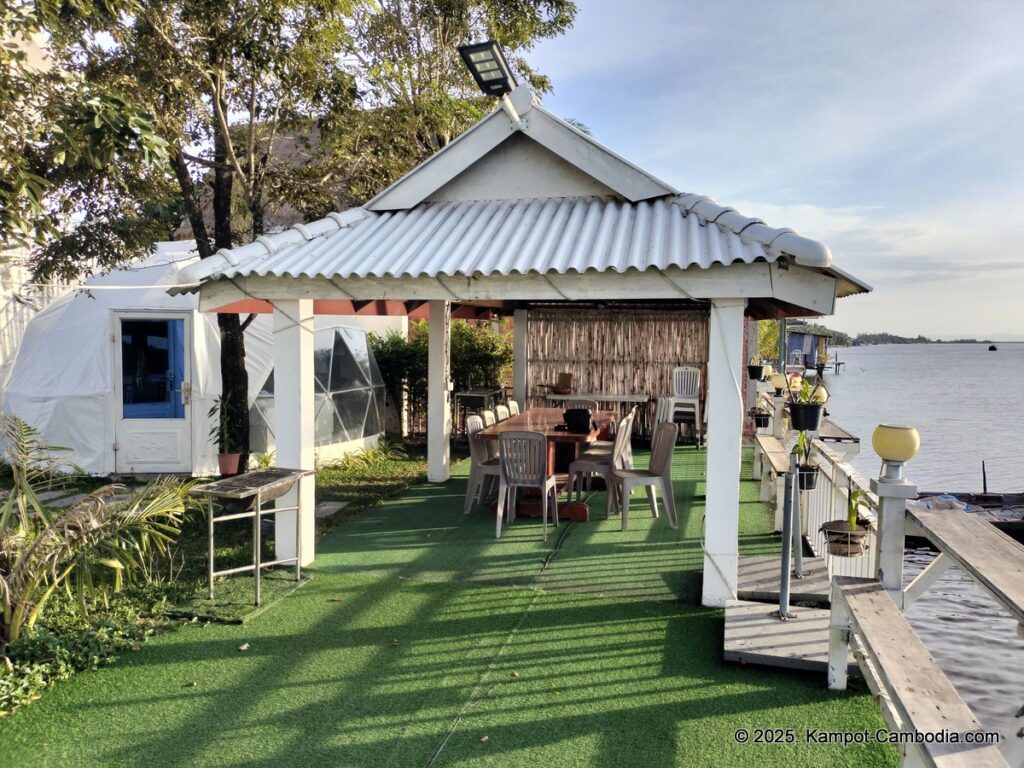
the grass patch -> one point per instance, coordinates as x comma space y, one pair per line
234, 597
366, 481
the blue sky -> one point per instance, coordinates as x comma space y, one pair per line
892, 131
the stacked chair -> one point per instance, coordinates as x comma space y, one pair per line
685, 398
484, 469
601, 459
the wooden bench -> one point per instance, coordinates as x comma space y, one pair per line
771, 463
915, 695
986, 554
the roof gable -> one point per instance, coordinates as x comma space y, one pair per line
572, 146
519, 169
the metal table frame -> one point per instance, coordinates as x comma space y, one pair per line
279, 482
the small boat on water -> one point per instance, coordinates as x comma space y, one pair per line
992, 348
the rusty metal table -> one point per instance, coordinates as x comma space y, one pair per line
262, 485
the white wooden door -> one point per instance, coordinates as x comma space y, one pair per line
152, 368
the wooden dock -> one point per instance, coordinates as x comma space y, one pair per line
759, 578
754, 635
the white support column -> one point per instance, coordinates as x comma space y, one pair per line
520, 359
725, 427
778, 404
893, 490
838, 643
294, 421
439, 414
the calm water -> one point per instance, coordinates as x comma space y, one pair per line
965, 402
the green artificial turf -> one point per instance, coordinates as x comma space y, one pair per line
423, 641
234, 597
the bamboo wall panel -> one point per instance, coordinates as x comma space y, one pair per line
615, 352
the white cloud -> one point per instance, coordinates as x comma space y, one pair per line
890, 131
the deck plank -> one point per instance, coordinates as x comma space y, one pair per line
759, 577
772, 449
754, 636
979, 548
924, 696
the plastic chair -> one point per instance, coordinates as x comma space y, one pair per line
483, 468
657, 476
513, 407
685, 399
603, 462
488, 417
501, 412
524, 464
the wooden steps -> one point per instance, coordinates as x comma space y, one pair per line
759, 577
754, 635
915, 694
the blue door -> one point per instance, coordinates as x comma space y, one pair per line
152, 368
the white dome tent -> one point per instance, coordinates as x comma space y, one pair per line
123, 375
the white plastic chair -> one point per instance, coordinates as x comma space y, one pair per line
657, 476
483, 468
513, 407
488, 417
524, 464
501, 412
685, 399
601, 462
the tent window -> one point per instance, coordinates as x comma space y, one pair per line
152, 368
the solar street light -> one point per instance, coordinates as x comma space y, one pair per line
489, 68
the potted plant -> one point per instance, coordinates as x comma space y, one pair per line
760, 415
755, 370
806, 405
807, 473
849, 537
228, 455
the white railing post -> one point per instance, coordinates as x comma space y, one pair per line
779, 402
893, 490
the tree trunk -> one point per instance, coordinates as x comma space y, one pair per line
234, 376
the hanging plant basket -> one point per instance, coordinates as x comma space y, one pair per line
761, 420
755, 372
842, 542
807, 477
806, 417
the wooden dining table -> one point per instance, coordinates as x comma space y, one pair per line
546, 422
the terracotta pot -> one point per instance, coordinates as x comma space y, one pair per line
228, 463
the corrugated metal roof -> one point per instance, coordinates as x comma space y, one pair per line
523, 236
